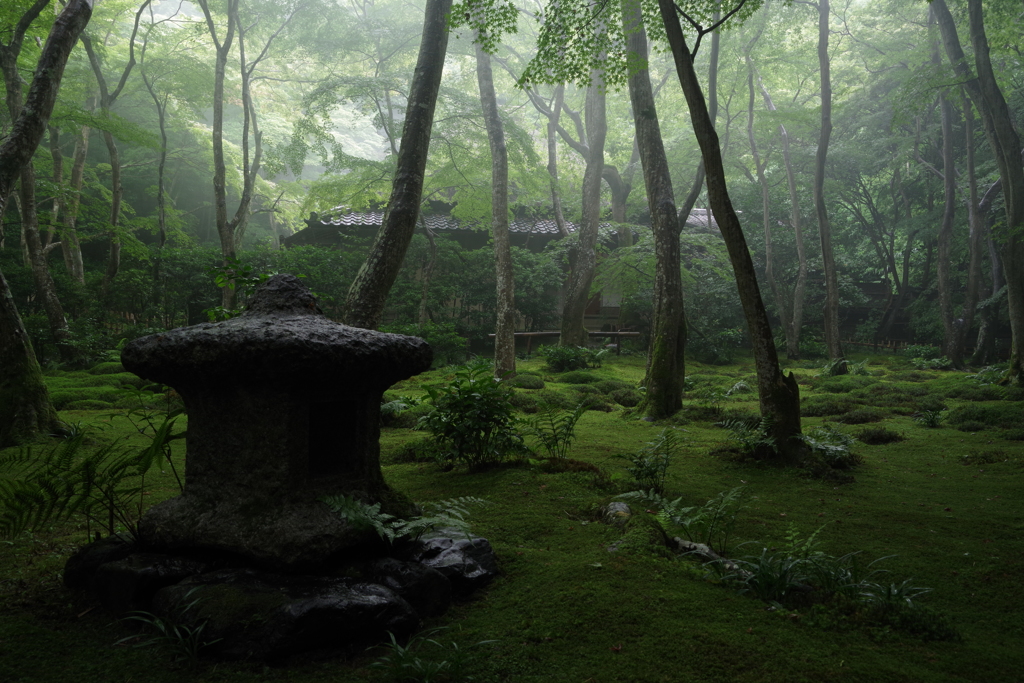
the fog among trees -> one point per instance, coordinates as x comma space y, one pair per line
861, 160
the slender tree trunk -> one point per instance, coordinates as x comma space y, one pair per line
428, 272
71, 247
795, 322
577, 294
505, 327
831, 309
945, 237
1002, 136
976, 227
779, 394
116, 195
368, 294
552, 130
25, 408
666, 364
46, 290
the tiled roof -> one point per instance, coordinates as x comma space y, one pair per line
699, 218
442, 222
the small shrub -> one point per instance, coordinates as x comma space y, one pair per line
820, 406
527, 382
597, 402
107, 368
1013, 435
832, 447
876, 436
1006, 416
628, 397
578, 377
554, 399
975, 392
650, 464
931, 419
555, 430
473, 418
971, 426
526, 403
711, 524
562, 358
585, 389
753, 438
740, 387
448, 347
860, 416
608, 386
931, 402
922, 363
920, 351
842, 384
985, 457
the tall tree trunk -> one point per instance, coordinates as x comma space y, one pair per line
552, 130
831, 309
505, 326
107, 99
25, 408
1002, 136
368, 294
46, 290
795, 321
423, 316
976, 228
577, 294
779, 394
945, 237
71, 247
666, 364
222, 49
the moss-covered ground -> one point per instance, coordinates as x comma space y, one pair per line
944, 503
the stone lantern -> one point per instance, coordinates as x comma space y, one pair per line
283, 408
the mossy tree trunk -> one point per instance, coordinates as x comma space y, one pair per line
505, 325
666, 364
779, 394
368, 294
25, 408
577, 293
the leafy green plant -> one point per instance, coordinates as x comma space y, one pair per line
923, 363
562, 358
449, 513
874, 436
183, 641
711, 524
833, 368
555, 430
891, 596
772, 576
650, 464
411, 662
754, 439
860, 368
991, 374
930, 418
740, 387
473, 420
104, 485
832, 446
237, 276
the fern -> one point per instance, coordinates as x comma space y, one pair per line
446, 513
104, 486
710, 524
556, 430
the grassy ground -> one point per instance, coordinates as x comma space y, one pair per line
944, 503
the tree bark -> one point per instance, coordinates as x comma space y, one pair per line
505, 326
577, 293
666, 364
945, 237
552, 131
368, 294
25, 408
794, 323
831, 309
71, 247
998, 123
779, 394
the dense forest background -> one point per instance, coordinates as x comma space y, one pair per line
124, 214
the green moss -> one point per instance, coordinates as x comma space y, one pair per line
106, 368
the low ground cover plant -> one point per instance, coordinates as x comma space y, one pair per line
943, 500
